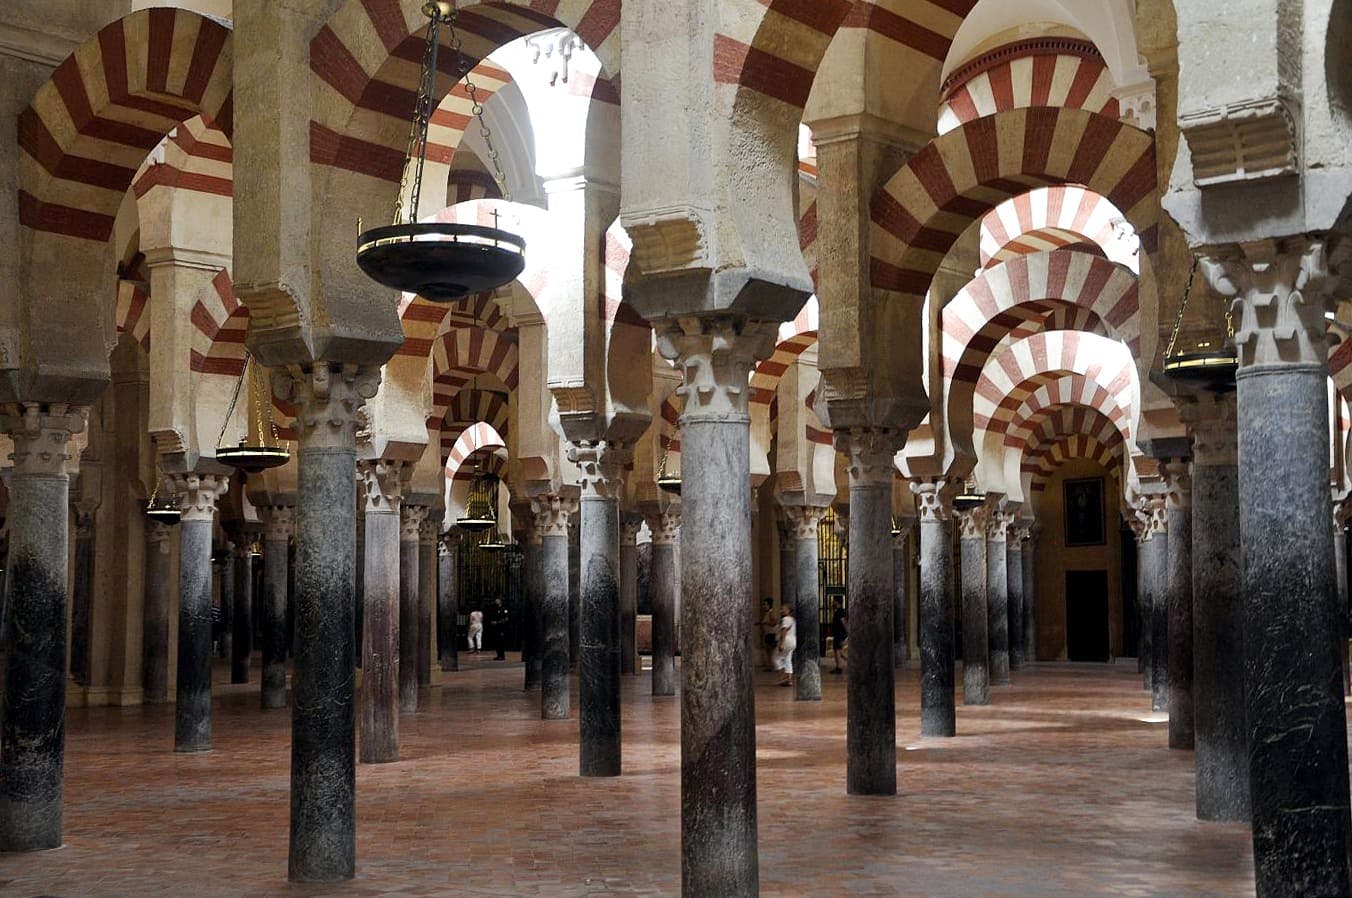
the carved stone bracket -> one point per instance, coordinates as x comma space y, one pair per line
1240, 142
198, 493
716, 353
328, 398
41, 435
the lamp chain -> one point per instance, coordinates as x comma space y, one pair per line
1183, 307
476, 107
234, 400
416, 155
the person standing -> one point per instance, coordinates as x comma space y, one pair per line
840, 631
769, 629
787, 642
498, 620
476, 631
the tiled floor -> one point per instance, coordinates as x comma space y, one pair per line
1062, 787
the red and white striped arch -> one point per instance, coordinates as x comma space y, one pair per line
795, 337
469, 408
1046, 71
960, 176
807, 240
366, 59
464, 185
194, 157
1032, 293
1052, 217
106, 106
132, 304
1038, 469
219, 326
482, 442
459, 355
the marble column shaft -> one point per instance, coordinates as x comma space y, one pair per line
82, 595
242, 620
871, 720
975, 641
1222, 757
382, 655
629, 527
552, 513
806, 594
323, 717
900, 595
938, 714
997, 597
448, 601
532, 629
33, 722
1158, 570
192, 701
280, 521
1029, 556
410, 585
1179, 659
666, 583
1014, 577
155, 622
427, 593
224, 573
599, 540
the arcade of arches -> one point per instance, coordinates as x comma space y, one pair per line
882, 291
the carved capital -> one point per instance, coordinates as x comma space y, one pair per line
450, 543
933, 499
41, 435
279, 523
1155, 509
603, 465
383, 482
552, 514
411, 518
630, 524
429, 529
1177, 473
716, 354
1279, 292
665, 527
1211, 422
972, 523
84, 522
997, 525
157, 537
197, 494
870, 453
329, 399
802, 521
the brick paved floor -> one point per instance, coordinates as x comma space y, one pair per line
1062, 787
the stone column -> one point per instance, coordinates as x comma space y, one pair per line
806, 591
1218, 626
33, 723
718, 733
382, 656
938, 716
1157, 570
1178, 480
574, 590
871, 719
629, 526
323, 717
1342, 509
427, 592
82, 590
1028, 535
997, 594
224, 572
242, 617
533, 631
1293, 631
1139, 521
901, 602
410, 520
279, 521
601, 465
666, 585
155, 625
1014, 579
975, 641
197, 495
448, 600
551, 516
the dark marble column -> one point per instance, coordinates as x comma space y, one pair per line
1341, 510
155, 621
197, 495
1218, 626
33, 723
630, 522
1014, 579
718, 734
1028, 534
574, 592
1157, 553
997, 594
871, 718
224, 572
427, 592
328, 398
382, 656
1293, 630
1140, 529
410, 518
975, 641
279, 523
900, 587
551, 516
602, 465
82, 590
532, 629
448, 601
666, 584
1178, 592
241, 651
802, 523
938, 716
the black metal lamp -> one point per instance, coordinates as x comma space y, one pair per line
258, 450
667, 481
1208, 364
162, 511
970, 497
441, 262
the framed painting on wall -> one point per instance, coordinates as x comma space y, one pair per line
1084, 512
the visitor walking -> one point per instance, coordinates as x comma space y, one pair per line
769, 629
840, 631
787, 642
476, 631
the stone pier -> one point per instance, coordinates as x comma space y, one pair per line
938, 714
382, 484
197, 495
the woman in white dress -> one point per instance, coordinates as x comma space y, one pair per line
788, 641
476, 631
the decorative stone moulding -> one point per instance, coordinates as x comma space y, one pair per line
1250, 141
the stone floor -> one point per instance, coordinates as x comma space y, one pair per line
1062, 787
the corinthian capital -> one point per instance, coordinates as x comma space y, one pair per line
802, 520
41, 435
871, 453
197, 494
933, 499
665, 526
329, 399
972, 524
411, 518
1279, 292
552, 513
1177, 474
1211, 422
279, 522
603, 465
716, 352
383, 483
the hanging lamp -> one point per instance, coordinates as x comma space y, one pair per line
667, 481
494, 542
481, 509
1209, 364
896, 526
439, 261
162, 511
258, 450
970, 497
